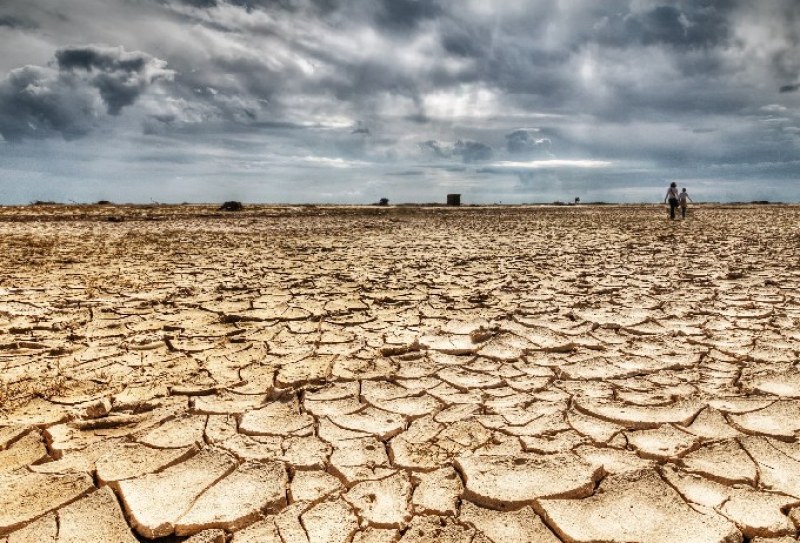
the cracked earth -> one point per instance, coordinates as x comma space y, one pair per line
369, 375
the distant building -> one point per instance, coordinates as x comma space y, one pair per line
454, 199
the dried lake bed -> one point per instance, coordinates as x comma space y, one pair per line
319, 374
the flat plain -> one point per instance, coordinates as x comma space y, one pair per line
303, 374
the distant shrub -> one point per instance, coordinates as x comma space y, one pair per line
383, 202
231, 206
104, 203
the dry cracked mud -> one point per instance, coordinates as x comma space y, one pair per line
411, 374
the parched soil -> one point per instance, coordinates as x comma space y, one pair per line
417, 374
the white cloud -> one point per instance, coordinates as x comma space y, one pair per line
463, 102
552, 164
334, 162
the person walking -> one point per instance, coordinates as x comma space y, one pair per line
683, 199
672, 196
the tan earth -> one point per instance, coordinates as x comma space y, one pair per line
308, 374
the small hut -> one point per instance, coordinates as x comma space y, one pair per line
454, 199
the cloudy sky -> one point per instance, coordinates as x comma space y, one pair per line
350, 101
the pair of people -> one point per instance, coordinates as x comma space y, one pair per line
676, 199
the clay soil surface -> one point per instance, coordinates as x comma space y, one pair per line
415, 374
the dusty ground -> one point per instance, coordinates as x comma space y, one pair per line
590, 374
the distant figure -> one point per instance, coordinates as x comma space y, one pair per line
672, 196
683, 198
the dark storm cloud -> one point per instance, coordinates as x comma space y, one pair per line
417, 118
200, 3
118, 75
786, 60
403, 15
105, 59
360, 128
279, 125
472, 151
464, 41
291, 6
39, 102
469, 151
35, 102
436, 148
527, 142
790, 88
686, 25
13, 22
